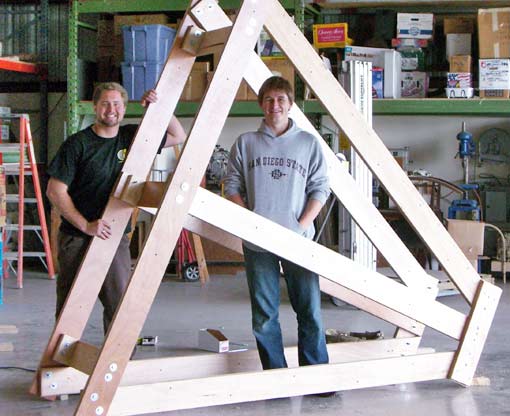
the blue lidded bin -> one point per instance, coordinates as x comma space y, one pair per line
138, 77
147, 43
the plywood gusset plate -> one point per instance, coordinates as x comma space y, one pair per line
410, 305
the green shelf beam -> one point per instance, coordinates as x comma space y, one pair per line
431, 107
407, 107
138, 6
184, 109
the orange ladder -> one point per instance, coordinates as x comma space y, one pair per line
24, 168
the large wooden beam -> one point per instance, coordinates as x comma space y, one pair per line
253, 228
69, 380
168, 222
476, 331
234, 243
373, 151
90, 276
263, 385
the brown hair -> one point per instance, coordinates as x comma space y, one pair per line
109, 86
276, 83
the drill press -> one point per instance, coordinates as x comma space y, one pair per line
468, 206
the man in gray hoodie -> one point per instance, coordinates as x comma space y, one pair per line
279, 172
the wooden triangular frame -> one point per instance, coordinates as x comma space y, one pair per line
176, 383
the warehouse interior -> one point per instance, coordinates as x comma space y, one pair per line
439, 111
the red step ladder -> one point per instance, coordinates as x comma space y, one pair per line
22, 168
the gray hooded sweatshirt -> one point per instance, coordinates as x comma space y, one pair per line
276, 176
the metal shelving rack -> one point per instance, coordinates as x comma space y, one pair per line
428, 106
424, 106
78, 109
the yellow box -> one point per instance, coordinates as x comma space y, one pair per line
331, 35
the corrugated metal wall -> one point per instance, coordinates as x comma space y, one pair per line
19, 34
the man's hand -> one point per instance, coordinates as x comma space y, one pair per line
149, 96
99, 228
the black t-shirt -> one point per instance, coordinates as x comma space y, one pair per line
89, 165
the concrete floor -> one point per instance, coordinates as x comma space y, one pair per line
224, 303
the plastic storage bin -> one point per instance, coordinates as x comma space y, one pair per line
147, 43
138, 77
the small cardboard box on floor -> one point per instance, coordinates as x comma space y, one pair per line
212, 340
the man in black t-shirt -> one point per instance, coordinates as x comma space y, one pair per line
82, 176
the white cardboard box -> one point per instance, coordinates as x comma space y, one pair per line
494, 74
388, 59
415, 25
414, 84
212, 340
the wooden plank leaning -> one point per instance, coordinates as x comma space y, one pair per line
90, 277
374, 153
167, 224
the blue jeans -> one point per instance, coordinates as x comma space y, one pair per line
263, 273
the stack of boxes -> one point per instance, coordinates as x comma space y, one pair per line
414, 30
146, 49
494, 47
459, 31
4, 123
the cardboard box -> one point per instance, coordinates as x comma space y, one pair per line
331, 35
388, 59
392, 74
377, 82
494, 33
458, 44
279, 66
195, 87
494, 79
120, 20
460, 63
459, 24
212, 340
459, 80
413, 59
460, 92
242, 92
130, 20
415, 84
469, 236
415, 25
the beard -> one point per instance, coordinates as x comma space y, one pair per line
108, 122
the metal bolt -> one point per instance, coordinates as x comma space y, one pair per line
179, 199
94, 397
185, 186
48, 374
108, 377
53, 386
99, 410
113, 367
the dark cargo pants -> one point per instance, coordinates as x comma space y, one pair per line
71, 251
